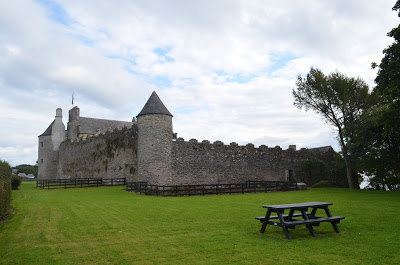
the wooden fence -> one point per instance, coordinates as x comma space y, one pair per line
78, 183
209, 189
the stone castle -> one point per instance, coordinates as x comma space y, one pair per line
146, 149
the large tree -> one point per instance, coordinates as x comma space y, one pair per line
377, 151
378, 133
340, 100
388, 79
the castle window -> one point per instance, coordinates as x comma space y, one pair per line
41, 144
41, 161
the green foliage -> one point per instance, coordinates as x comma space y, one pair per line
5, 170
340, 100
377, 151
378, 135
315, 170
28, 169
322, 184
339, 172
15, 182
5, 198
5, 189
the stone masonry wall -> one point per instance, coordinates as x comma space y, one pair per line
154, 146
196, 162
109, 155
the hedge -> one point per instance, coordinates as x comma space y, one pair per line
5, 189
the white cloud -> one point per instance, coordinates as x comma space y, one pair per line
225, 69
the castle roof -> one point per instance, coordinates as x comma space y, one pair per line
322, 149
92, 125
154, 106
49, 130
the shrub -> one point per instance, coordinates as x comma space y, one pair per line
5, 170
15, 182
315, 170
322, 184
5, 189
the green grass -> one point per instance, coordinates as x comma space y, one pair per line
107, 225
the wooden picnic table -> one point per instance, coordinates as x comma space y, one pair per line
287, 221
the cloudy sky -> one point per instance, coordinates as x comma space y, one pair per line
224, 68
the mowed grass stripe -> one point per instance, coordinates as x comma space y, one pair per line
107, 225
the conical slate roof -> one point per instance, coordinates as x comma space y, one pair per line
154, 106
49, 130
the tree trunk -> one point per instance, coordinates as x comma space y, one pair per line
353, 183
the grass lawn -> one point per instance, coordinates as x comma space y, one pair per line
107, 225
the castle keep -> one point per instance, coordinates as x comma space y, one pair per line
146, 150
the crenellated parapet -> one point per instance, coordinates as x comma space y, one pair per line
206, 144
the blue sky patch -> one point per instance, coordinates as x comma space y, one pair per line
158, 81
279, 60
131, 60
187, 109
56, 12
162, 52
237, 78
85, 40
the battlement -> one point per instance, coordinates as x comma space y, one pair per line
234, 145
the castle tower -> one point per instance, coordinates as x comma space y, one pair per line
73, 122
155, 142
49, 143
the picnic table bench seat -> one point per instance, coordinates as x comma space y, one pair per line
316, 220
262, 218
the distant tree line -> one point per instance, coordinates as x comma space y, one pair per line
28, 169
367, 121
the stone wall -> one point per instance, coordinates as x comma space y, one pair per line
196, 162
109, 155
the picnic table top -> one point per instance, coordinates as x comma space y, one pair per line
296, 205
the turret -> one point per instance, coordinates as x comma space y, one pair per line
73, 122
155, 142
49, 143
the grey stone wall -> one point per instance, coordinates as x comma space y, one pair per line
154, 148
196, 162
109, 155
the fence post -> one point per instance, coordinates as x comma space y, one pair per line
112, 182
65, 184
